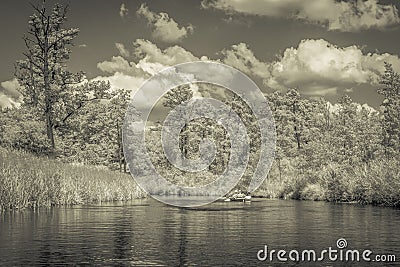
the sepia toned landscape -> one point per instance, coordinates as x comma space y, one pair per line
328, 70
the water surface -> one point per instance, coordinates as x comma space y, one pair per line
149, 233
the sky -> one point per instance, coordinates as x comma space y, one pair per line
322, 47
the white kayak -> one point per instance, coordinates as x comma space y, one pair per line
235, 198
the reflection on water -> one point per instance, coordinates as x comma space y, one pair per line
146, 232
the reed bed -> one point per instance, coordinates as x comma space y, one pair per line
376, 183
29, 181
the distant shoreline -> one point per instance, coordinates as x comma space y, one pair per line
27, 181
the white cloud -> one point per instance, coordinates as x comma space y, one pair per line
345, 16
163, 27
123, 11
315, 67
319, 90
120, 80
170, 56
318, 68
242, 58
148, 59
122, 50
120, 64
235, 20
9, 94
128, 82
7, 102
12, 88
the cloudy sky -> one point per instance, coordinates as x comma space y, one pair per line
322, 47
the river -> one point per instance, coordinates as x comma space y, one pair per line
148, 233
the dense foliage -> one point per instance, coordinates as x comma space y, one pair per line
346, 152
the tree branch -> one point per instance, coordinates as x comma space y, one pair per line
74, 111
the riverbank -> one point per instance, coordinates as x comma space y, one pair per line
376, 183
28, 181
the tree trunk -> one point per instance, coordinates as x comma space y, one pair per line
49, 126
297, 137
280, 169
48, 100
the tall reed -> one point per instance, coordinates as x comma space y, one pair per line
29, 181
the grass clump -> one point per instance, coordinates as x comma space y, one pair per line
29, 181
